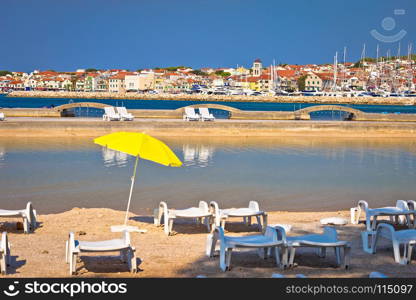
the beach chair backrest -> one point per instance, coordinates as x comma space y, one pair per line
189, 111
109, 110
204, 111
122, 110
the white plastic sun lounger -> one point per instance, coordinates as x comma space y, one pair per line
2, 117
124, 115
205, 115
400, 238
127, 252
28, 214
169, 215
110, 114
253, 210
397, 214
4, 253
328, 239
190, 114
266, 241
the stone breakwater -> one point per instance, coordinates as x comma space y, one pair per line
65, 127
219, 98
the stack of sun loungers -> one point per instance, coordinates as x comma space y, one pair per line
386, 222
191, 115
121, 115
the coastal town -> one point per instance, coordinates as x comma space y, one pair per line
381, 77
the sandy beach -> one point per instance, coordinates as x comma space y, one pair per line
42, 254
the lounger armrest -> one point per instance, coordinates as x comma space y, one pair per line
281, 233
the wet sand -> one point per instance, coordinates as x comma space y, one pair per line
42, 254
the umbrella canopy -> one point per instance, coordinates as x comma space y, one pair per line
142, 146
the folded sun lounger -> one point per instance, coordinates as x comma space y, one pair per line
127, 252
190, 114
253, 210
28, 214
110, 114
264, 242
124, 115
4, 253
199, 213
205, 115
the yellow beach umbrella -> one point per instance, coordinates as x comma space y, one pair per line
142, 146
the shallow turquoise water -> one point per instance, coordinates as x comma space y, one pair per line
280, 173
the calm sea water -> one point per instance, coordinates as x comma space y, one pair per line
171, 104
301, 174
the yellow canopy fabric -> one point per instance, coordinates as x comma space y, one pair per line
142, 145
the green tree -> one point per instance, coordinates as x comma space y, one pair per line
301, 82
91, 70
222, 73
199, 73
4, 73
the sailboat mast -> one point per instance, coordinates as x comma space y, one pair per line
335, 71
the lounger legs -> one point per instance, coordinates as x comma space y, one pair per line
223, 264
321, 252
72, 264
26, 225
3, 264
342, 261
131, 260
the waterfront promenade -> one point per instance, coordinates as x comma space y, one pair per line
223, 98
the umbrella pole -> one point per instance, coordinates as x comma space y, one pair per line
131, 189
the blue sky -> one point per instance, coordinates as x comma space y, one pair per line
64, 35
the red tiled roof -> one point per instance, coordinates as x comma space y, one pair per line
286, 73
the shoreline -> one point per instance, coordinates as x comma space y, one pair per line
183, 254
79, 127
216, 98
